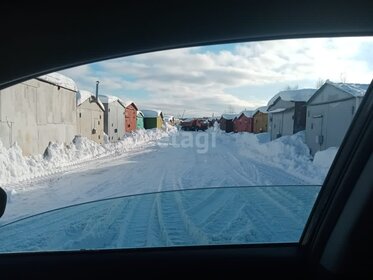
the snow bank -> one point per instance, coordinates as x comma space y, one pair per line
16, 168
324, 159
290, 153
139, 138
263, 137
168, 127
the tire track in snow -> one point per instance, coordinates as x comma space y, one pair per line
209, 213
134, 230
174, 227
272, 217
219, 216
94, 231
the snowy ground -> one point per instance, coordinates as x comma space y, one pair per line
170, 161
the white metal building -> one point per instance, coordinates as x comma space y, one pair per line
114, 117
38, 111
287, 112
330, 112
90, 116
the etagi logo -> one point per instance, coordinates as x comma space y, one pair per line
202, 141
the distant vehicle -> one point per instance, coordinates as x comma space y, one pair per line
194, 124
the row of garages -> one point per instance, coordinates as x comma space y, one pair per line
51, 108
325, 114
246, 121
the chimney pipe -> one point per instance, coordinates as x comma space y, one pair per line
97, 82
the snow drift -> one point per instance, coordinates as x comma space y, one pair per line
289, 153
324, 159
15, 168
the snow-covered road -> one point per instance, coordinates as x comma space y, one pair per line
157, 167
194, 217
255, 214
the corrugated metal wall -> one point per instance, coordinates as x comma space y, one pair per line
90, 121
114, 120
33, 113
329, 114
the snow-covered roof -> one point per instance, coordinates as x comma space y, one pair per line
248, 114
110, 99
279, 110
356, 90
139, 113
59, 80
262, 109
295, 95
228, 116
129, 102
83, 95
151, 113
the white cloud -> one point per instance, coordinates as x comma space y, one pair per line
199, 81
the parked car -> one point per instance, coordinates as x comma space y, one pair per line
194, 124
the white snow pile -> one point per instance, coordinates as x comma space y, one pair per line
16, 168
81, 149
169, 127
139, 138
324, 159
216, 127
263, 137
289, 153
60, 80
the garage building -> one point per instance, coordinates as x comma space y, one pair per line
114, 119
287, 112
243, 122
330, 112
38, 111
90, 116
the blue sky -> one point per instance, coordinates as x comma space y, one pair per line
208, 80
